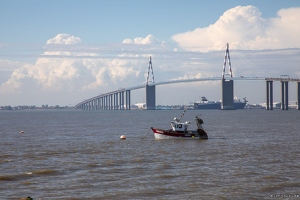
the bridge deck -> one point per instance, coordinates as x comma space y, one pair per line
241, 78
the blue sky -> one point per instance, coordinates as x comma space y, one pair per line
110, 21
61, 52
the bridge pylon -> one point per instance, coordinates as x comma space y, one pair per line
227, 85
150, 89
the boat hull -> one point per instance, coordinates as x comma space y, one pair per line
188, 135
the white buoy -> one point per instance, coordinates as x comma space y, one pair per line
21, 132
123, 137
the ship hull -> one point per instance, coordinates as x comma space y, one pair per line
203, 106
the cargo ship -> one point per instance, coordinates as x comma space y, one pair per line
206, 104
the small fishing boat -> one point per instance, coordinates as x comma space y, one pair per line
179, 130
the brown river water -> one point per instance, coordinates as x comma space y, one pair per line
74, 154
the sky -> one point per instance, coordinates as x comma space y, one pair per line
63, 52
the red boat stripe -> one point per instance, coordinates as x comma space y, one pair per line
174, 134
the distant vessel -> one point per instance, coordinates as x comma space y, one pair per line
206, 104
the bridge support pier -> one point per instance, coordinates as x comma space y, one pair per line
150, 97
94, 104
269, 97
100, 103
116, 103
227, 95
284, 95
127, 100
105, 102
121, 99
298, 95
111, 107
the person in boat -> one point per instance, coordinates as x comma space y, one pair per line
199, 122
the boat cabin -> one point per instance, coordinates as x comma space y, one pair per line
179, 126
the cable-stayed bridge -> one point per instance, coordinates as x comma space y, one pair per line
120, 99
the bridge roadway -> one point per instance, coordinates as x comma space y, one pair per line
120, 99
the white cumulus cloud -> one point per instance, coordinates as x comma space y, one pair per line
244, 28
149, 39
74, 71
64, 39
